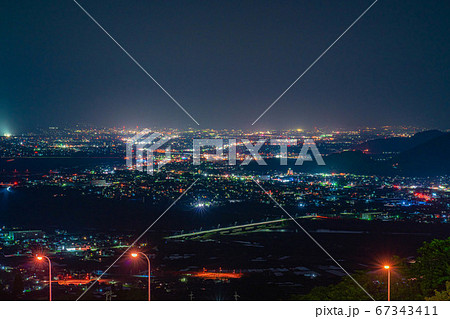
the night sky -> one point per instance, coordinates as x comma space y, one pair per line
225, 62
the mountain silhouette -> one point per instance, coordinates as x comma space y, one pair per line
427, 159
397, 144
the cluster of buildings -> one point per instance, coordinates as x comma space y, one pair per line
84, 141
78, 257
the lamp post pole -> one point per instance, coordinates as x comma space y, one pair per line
388, 268
134, 255
389, 284
49, 275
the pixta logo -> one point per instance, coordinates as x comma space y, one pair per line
141, 148
140, 151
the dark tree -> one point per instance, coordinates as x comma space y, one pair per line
17, 287
432, 266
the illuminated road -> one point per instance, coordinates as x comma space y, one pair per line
67, 282
230, 229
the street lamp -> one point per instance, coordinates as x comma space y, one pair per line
388, 268
135, 255
40, 258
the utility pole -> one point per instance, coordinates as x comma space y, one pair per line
109, 295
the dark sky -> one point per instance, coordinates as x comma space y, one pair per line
225, 62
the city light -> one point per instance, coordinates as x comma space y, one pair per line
201, 207
225, 205
317, 172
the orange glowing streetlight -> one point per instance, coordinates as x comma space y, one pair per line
135, 255
40, 258
388, 268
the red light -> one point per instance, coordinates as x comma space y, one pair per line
423, 196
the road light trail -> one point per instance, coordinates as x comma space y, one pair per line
137, 63
312, 64
313, 239
137, 239
231, 228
